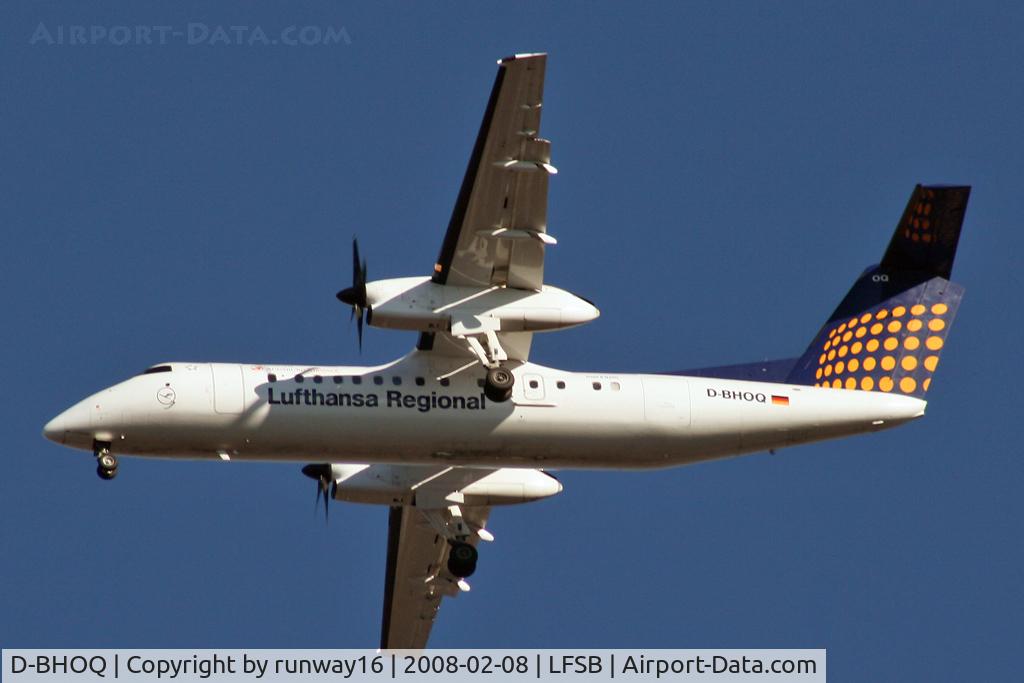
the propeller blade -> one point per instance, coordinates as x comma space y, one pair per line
356, 270
324, 486
327, 508
355, 296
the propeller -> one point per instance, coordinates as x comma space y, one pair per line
355, 296
322, 474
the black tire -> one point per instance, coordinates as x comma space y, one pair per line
497, 395
106, 474
498, 385
462, 560
107, 461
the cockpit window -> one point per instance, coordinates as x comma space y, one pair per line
156, 368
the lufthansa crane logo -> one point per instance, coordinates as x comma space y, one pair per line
166, 396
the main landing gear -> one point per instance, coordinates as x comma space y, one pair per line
481, 338
498, 384
106, 462
461, 559
462, 555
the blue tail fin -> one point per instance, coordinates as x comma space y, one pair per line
889, 331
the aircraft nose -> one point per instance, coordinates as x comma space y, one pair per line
54, 429
75, 421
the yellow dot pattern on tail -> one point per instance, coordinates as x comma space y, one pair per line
897, 355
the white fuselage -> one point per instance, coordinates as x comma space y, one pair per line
401, 413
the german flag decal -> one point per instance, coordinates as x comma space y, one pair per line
780, 400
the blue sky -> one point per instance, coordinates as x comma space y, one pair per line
726, 170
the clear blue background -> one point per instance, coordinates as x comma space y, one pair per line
727, 169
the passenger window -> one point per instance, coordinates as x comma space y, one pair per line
377, 379
533, 384
317, 379
271, 377
445, 381
338, 379
420, 381
560, 384
356, 379
597, 386
616, 386
300, 379
396, 380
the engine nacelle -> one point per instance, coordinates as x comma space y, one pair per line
424, 486
421, 304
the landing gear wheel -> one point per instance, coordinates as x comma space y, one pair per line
106, 462
498, 385
462, 559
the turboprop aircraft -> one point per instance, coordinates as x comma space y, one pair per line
465, 422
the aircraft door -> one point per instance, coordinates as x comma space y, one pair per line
667, 400
228, 391
533, 387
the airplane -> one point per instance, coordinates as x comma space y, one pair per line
465, 422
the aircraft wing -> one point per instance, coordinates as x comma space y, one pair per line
498, 229
417, 575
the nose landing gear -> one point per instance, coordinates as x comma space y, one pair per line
106, 462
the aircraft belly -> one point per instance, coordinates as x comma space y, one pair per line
500, 434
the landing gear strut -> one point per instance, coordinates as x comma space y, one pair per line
106, 462
481, 336
498, 385
461, 559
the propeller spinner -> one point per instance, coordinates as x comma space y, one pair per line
355, 296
